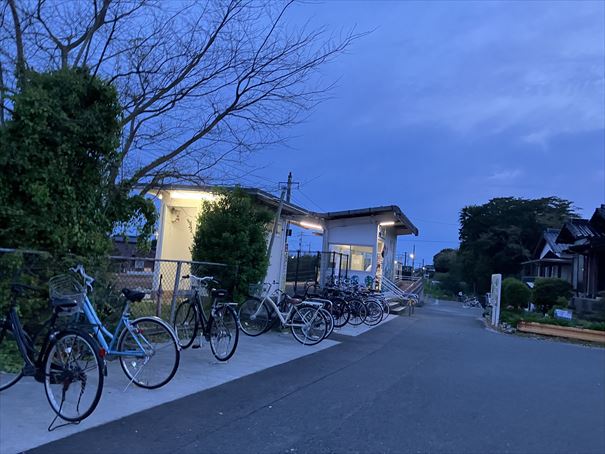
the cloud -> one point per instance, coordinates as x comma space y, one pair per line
505, 176
537, 71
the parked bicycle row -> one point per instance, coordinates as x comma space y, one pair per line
334, 306
69, 355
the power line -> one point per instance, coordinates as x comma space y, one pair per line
309, 199
430, 241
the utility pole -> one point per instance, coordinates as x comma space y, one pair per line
289, 187
276, 223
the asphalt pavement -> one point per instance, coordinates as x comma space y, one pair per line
438, 382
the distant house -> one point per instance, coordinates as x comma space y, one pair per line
549, 259
585, 240
125, 247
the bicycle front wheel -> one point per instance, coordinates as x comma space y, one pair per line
359, 312
253, 317
149, 352
341, 312
224, 333
308, 325
73, 375
186, 323
11, 360
374, 315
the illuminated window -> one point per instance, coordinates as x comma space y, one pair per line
360, 257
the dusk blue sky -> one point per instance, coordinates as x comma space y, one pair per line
447, 104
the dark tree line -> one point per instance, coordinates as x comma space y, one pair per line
497, 237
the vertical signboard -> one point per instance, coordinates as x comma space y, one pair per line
495, 298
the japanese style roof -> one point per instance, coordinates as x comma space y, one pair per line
583, 234
576, 229
550, 238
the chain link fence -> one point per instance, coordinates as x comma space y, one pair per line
162, 281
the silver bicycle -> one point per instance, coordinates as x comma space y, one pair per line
305, 319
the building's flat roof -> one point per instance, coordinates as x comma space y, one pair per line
263, 196
401, 220
402, 224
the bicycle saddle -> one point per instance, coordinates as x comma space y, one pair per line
219, 293
291, 300
133, 295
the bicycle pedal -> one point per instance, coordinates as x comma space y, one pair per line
196, 346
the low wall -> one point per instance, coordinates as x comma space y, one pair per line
588, 308
562, 331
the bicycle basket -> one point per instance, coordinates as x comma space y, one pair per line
66, 294
259, 290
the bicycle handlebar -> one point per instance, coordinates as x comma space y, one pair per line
88, 280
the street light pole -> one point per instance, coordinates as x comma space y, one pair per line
413, 257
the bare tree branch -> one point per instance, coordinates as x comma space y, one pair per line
201, 81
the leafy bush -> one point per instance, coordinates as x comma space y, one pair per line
515, 293
547, 292
59, 162
233, 230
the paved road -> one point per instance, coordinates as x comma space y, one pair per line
439, 382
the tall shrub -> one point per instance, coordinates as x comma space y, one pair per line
547, 291
58, 153
515, 293
233, 230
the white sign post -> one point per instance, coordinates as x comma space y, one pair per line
495, 298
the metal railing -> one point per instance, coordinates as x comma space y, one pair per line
306, 267
391, 287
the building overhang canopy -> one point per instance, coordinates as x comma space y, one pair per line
200, 192
389, 216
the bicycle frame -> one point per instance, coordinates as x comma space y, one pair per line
13, 322
101, 333
284, 317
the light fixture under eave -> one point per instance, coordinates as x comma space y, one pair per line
387, 223
192, 195
311, 226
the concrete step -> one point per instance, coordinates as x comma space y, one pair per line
397, 310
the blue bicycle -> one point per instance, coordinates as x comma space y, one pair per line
146, 347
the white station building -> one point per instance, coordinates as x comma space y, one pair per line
368, 236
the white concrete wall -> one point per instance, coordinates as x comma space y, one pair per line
175, 235
390, 243
177, 224
363, 231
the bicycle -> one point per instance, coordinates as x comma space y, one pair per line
70, 362
305, 319
140, 344
220, 328
471, 301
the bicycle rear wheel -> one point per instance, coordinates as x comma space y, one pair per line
11, 360
253, 317
224, 333
149, 354
73, 375
329, 320
186, 323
